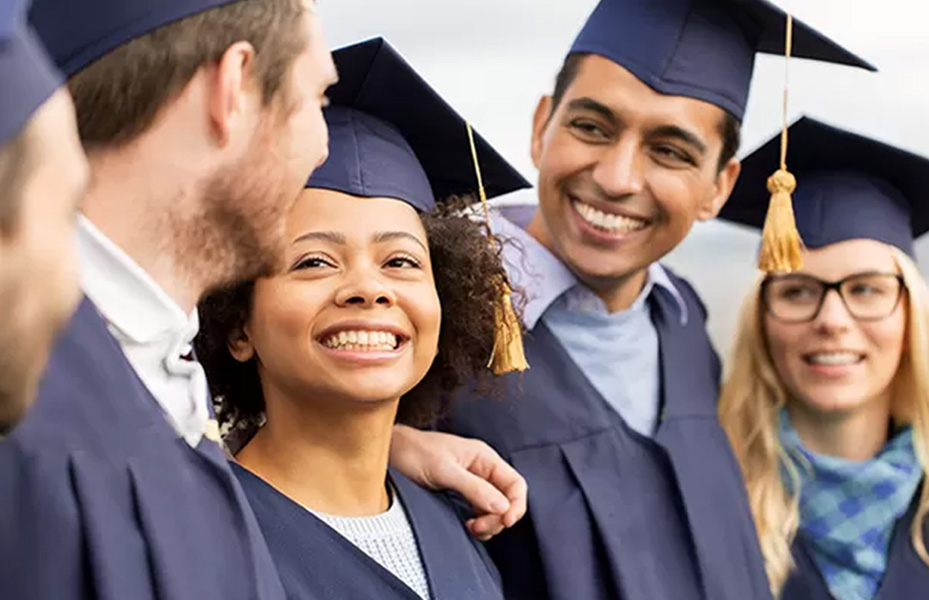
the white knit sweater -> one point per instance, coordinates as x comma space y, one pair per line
389, 540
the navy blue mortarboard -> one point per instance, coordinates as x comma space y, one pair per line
78, 32
391, 135
849, 187
703, 49
27, 76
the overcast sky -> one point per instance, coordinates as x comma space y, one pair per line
493, 59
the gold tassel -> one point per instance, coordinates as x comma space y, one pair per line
508, 354
781, 246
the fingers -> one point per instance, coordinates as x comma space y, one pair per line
494, 489
482, 495
504, 478
443, 461
518, 494
485, 527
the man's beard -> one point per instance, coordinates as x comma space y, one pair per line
240, 232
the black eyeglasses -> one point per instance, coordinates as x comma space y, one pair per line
798, 298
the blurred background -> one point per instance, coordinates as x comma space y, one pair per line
493, 59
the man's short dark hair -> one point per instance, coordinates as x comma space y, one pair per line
729, 128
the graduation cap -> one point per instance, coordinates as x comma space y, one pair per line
703, 49
391, 135
851, 187
27, 76
78, 32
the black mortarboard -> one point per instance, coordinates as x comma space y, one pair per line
702, 49
849, 187
78, 32
391, 135
27, 76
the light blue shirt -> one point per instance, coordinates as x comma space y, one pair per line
617, 352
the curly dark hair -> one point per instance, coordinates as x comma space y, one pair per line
466, 268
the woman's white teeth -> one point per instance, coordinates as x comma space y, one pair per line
834, 358
361, 340
608, 222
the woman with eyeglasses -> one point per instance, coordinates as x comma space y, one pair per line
826, 399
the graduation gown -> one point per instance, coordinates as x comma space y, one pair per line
613, 514
100, 498
313, 558
906, 577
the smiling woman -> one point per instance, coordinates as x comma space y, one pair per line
827, 399
385, 304
456, 259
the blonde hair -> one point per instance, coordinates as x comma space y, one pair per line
753, 395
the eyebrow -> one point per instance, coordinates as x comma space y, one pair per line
326, 236
386, 236
592, 105
340, 240
681, 134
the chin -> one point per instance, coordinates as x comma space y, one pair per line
596, 271
372, 391
600, 263
835, 403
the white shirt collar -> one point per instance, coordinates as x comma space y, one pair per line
151, 329
544, 278
127, 297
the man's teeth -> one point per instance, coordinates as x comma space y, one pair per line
834, 358
362, 340
607, 222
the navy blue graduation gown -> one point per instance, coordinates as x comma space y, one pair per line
99, 498
613, 514
906, 577
313, 558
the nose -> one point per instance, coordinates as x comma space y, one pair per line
833, 315
619, 172
365, 288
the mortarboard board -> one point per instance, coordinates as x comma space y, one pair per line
27, 76
850, 187
78, 32
703, 49
392, 135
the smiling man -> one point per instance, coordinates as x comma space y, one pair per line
634, 492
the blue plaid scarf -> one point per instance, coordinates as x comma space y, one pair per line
848, 509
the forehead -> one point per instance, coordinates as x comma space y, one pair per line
636, 103
842, 259
353, 216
